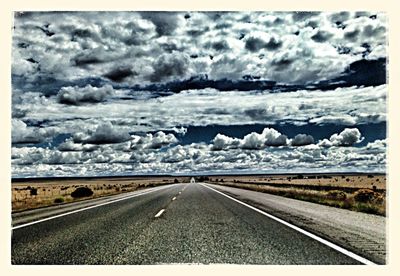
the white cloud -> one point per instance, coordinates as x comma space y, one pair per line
88, 94
21, 133
170, 66
156, 141
88, 44
302, 140
221, 142
346, 106
269, 137
281, 46
198, 157
106, 133
348, 137
253, 141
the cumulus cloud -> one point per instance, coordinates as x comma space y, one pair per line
21, 133
170, 65
120, 73
348, 137
70, 145
221, 142
253, 141
165, 22
257, 41
65, 52
269, 137
200, 158
321, 36
115, 45
302, 140
106, 133
155, 141
88, 94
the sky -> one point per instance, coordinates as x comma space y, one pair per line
127, 93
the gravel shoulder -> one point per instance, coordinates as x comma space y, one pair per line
361, 233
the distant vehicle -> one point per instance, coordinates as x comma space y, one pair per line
192, 180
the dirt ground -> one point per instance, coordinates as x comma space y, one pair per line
370, 181
33, 193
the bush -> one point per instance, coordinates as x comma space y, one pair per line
33, 191
82, 192
336, 195
176, 180
59, 200
365, 195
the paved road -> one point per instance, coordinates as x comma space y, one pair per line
198, 225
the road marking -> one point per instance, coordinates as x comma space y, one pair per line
159, 213
83, 209
180, 192
173, 198
315, 237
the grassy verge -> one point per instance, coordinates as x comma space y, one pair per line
362, 200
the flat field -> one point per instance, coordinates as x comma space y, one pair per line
34, 193
316, 181
358, 192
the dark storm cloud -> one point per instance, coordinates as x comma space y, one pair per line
120, 73
220, 45
273, 44
299, 16
165, 22
198, 31
321, 36
281, 63
371, 31
352, 35
339, 16
82, 60
255, 44
169, 65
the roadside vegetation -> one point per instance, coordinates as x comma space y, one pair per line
365, 200
32, 194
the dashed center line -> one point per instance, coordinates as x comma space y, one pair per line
173, 198
159, 213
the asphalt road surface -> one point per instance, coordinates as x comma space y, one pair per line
181, 223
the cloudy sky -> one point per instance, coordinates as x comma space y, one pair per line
116, 93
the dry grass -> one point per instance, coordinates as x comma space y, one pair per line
33, 193
361, 193
324, 180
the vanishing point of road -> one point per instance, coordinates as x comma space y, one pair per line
181, 223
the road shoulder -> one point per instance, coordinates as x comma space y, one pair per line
361, 233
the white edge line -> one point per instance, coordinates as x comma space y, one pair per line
83, 209
159, 213
315, 237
